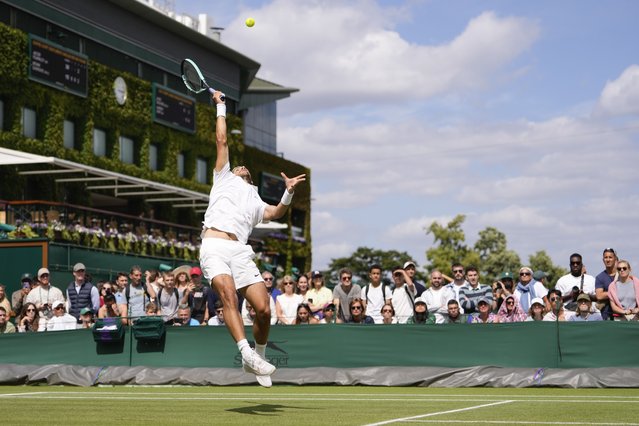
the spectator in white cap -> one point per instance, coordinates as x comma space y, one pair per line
61, 320
81, 293
537, 310
411, 270
44, 294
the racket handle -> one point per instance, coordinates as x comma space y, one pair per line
212, 91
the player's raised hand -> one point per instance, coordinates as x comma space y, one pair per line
293, 181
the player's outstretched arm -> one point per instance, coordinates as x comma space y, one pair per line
276, 212
220, 132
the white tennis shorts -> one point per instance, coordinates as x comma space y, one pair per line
219, 256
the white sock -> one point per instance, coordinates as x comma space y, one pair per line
244, 347
261, 350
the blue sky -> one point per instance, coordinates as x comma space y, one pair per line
521, 115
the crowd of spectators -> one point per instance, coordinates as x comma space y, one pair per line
182, 299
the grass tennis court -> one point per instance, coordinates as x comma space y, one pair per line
334, 405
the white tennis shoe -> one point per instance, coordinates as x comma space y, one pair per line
257, 365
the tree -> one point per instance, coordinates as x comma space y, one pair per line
541, 261
361, 260
449, 246
494, 254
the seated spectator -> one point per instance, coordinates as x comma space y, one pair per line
61, 320
110, 308
151, 309
388, 314
454, 314
184, 317
557, 311
218, 318
86, 318
537, 310
328, 315
356, 308
29, 320
484, 316
4, 300
19, 297
624, 294
248, 313
286, 303
304, 315
5, 326
420, 313
584, 307
511, 310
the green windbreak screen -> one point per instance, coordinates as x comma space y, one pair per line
534, 345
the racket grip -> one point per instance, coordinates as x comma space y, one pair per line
212, 91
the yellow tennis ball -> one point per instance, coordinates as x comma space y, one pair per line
250, 22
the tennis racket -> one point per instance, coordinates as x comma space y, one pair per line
193, 78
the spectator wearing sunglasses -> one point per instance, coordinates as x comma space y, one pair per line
328, 313
269, 281
420, 313
388, 314
556, 311
603, 281
584, 313
29, 320
356, 307
344, 293
511, 310
286, 303
61, 320
624, 294
528, 289
576, 282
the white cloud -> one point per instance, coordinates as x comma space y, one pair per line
621, 96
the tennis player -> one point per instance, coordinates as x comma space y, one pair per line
225, 257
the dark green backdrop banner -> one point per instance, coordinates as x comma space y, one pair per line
534, 345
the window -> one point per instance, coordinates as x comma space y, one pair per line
153, 157
28, 122
180, 164
99, 143
201, 174
69, 134
127, 150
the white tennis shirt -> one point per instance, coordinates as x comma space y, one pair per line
234, 205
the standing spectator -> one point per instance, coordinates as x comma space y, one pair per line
286, 303
86, 318
197, 295
302, 287
344, 292
5, 326
4, 300
540, 276
437, 297
105, 287
136, 295
511, 310
304, 315
537, 310
269, 281
484, 314
19, 297
375, 294
403, 296
153, 281
184, 317
527, 289
583, 313
29, 320
61, 320
459, 279
454, 313
576, 282
411, 270
121, 281
182, 281
168, 298
556, 311
624, 294
470, 295
420, 313
44, 294
81, 293
318, 296
603, 280
218, 318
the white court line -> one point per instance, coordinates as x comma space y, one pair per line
403, 419
21, 394
510, 422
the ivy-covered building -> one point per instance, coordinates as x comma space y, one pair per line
102, 146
